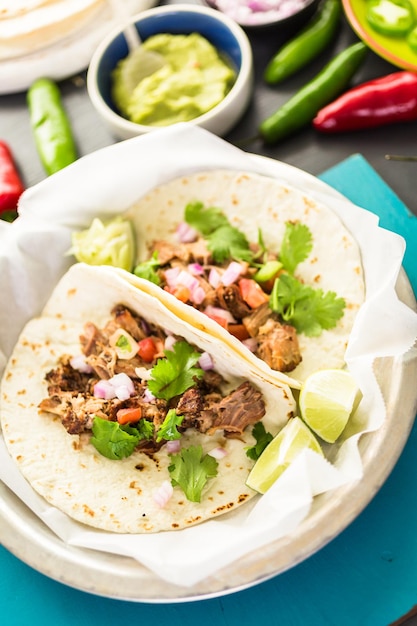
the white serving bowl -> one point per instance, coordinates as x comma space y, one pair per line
223, 33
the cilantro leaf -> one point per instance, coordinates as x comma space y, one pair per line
190, 470
168, 429
205, 220
296, 245
308, 310
262, 439
146, 269
229, 242
113, 440
176, 373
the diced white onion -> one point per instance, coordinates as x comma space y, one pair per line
143, 373
79, 363
163, 494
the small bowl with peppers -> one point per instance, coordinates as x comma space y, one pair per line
227, 45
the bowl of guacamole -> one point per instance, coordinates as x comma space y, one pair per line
194, 65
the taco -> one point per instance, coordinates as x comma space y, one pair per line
125, 417
264, 267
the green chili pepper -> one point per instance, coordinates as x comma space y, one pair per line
306, 45
393, 18
300, 110
50, 126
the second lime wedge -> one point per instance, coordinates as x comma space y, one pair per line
280, 452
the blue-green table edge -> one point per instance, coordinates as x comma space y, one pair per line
367, 576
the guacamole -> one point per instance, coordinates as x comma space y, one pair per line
192, 80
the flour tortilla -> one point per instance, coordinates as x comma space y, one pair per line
67, 470
30, 25
253, 202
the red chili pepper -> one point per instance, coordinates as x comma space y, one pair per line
11, 186
378, 102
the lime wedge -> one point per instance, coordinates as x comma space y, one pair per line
280, 452
326, 401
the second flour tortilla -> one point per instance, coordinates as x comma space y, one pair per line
252, 202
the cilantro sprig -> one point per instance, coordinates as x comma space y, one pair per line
223, 240
147, 269
168, 429
190, 470
116, 441
262, 438
176, 373
308, 310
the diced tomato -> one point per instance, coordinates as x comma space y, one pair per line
181, 292
239, 331
147, 349
125, 416
252, 293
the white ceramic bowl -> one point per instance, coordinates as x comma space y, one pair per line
223, 32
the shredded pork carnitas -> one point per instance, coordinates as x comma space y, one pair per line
274, 342
204, 406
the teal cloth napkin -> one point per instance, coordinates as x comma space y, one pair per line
366, 576
356, 179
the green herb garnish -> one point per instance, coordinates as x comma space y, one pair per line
296, 245
309, 310
262, 439
147, 269
223, 240
176, 373
168, 429
190, 469
116, 441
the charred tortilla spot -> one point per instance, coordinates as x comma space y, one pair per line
224, 507
140, 467
134, 485
175, 525
72, 292
243, 497
88, 511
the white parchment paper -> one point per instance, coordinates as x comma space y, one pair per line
33, 258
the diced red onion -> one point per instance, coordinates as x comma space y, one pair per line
197, 295
143, 373
169, 342
171, 276
216, 311
174, 446
196, 269
148, 395
214, 277
251, 343
185, 233
119, 386
163, 494
187, 279
218, 452
231, 273
104, 389
78, 363
205, 361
